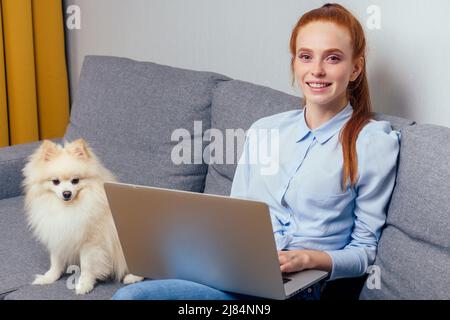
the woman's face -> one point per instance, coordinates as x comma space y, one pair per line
323, 64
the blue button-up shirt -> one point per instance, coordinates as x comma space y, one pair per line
298, 172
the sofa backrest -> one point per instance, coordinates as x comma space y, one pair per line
413, 258
128, 110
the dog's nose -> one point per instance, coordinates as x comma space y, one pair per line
67, 194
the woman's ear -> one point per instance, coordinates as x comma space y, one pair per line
357, 68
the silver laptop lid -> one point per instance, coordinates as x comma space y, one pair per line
222, 242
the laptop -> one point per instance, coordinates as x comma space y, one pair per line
222, 242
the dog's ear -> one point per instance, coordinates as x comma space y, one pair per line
48, 150
79, 149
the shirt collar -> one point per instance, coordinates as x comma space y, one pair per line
327, 129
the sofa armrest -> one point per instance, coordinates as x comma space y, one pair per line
12, 161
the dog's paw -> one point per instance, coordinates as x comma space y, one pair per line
131, 278
43, 280
84, 287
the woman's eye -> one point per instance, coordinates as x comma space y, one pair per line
304, 57
75, 181
55, 182
334, 58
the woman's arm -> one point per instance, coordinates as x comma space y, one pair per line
378, 151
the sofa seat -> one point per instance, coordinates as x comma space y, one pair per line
21, 254
59, 291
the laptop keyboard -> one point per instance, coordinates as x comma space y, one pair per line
285, 279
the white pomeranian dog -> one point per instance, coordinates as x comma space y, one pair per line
68, 212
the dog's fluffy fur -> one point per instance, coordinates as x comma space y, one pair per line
68, 212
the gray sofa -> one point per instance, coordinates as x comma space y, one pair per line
127, 111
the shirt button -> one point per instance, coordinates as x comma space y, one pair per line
309, 290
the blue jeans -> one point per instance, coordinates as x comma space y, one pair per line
173, 289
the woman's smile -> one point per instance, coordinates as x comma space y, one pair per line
318, 87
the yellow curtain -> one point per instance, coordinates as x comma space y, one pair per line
34, 97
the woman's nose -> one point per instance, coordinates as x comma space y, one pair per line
318, 70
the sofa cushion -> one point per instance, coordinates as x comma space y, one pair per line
21, 255
236, 105
413, 253
397, 123
127, 110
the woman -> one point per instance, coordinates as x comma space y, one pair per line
337, 165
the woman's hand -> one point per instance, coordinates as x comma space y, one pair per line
294, 260
298, 260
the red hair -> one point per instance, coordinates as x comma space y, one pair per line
357, 90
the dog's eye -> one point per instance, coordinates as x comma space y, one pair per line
55, 182
75, 181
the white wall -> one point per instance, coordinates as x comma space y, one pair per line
408, 59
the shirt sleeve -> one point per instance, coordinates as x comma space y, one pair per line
377, 152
